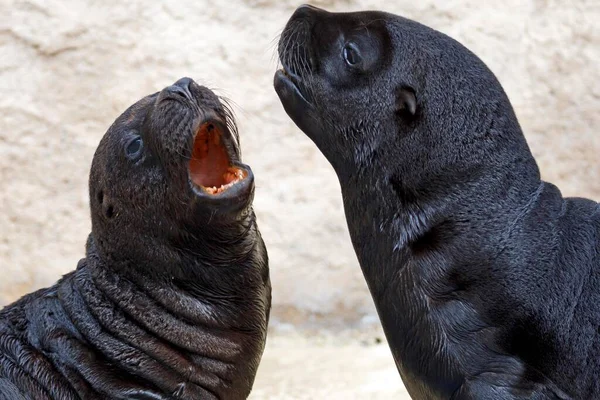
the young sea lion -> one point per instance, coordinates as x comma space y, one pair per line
172, 299
485, 278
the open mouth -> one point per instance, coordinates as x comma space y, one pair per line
211, 166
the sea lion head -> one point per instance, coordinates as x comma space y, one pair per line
168, 174
386, 96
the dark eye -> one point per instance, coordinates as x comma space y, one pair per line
351, 54
134, 147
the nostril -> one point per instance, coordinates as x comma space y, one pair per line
182, 88
184, 83
180, 91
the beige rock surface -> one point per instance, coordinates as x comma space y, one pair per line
69, 67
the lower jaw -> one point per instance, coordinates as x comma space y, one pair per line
233, 176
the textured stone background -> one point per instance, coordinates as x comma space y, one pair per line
69, 67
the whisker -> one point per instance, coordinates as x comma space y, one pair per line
274, 43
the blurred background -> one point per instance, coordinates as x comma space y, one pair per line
68, 68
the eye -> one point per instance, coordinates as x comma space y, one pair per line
134, 147
351, 54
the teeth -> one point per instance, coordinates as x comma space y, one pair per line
233, 176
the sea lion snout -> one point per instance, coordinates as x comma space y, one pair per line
190, 124
296, 51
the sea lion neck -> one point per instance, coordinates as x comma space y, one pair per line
199, 266
182, 251
423, 203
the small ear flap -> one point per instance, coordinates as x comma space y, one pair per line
406, 101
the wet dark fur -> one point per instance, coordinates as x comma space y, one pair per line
172, 299
485, 278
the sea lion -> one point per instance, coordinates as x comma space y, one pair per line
173, 296
485, 278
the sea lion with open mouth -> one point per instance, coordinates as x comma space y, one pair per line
485, 278
172, 299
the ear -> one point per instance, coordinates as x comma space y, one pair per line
406, 101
